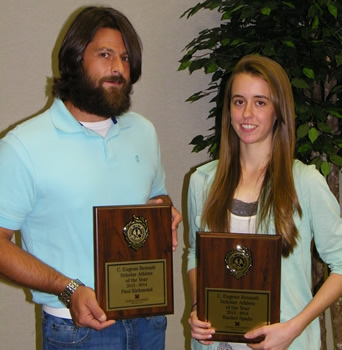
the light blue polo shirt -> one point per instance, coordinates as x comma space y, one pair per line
54, 171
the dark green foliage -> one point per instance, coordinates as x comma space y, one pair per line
305, 37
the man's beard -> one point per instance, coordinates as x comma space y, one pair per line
108, 103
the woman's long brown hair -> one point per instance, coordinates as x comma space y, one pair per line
278, 196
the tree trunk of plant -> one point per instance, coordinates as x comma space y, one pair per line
336, 308
336, 314
334, 185
318, 276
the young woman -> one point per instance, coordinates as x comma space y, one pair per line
256, 186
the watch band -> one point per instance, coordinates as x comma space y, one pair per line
65, 296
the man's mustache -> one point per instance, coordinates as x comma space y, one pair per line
113, 79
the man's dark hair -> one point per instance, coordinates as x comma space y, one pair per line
81, 33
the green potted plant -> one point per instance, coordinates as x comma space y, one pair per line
305, 37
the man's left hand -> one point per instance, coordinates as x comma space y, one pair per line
176, 217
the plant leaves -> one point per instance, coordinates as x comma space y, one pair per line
315, 23
335, 159
211, 68
289, 4
313, 134
184, 65
299, 83
309, 72
302, 131
335, 114
324, 127
332, 9
289, 43
305, 147
197, 139
266, 11
338, 59
325, 168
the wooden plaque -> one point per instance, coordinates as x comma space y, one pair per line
133, 260
238, 282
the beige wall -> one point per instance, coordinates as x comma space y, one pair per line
28, 33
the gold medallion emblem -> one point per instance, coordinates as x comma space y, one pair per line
136, 232
239, 261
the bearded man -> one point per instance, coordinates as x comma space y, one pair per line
86, 150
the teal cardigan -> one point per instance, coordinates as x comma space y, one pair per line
320, 221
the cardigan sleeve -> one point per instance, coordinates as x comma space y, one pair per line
194, 215
323, 212
199, 186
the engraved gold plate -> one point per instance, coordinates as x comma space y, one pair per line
136, 284
136, 232
236, 311
239, 261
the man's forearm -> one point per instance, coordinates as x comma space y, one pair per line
22, 268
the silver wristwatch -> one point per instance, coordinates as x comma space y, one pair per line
65, 296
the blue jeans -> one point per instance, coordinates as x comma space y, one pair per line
133, 334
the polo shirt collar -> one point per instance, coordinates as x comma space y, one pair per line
64, 120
